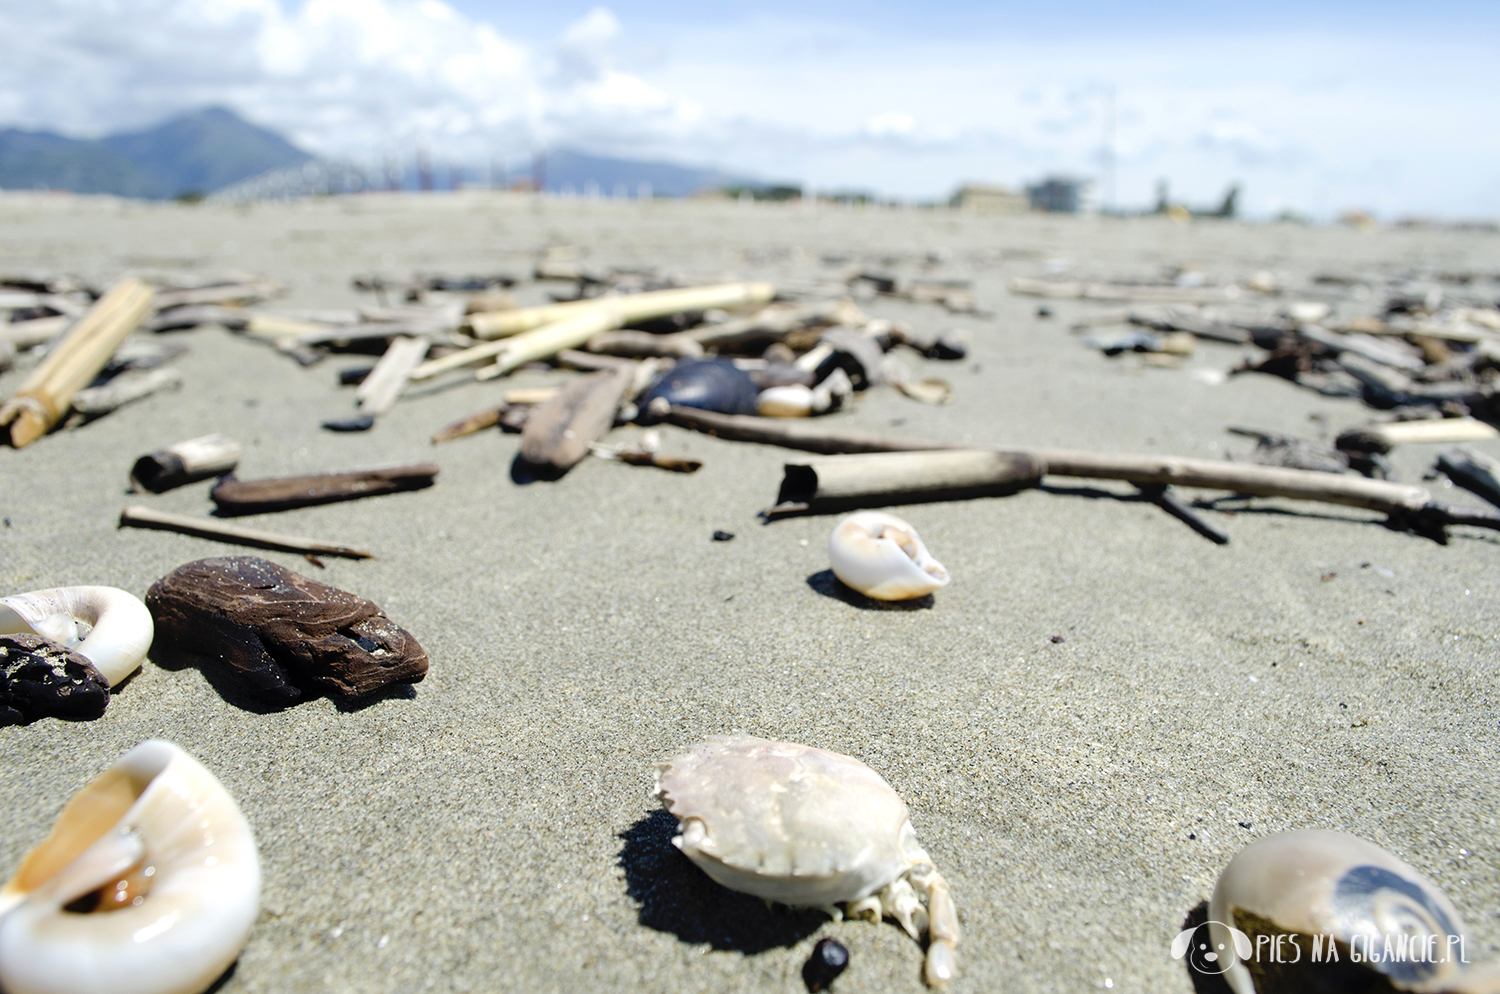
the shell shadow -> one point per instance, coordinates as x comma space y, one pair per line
677, 897
825, 583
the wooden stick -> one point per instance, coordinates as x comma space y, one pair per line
1433, 430
184, 462
95, 401
632, 307
25, 334
643, 344
141, 517
558, 433
1162, 496
221, 294
1473, 471
233, 496
841, 483
377, 393
1265, 481
1076, 290
45, 396
469, 425
547, 341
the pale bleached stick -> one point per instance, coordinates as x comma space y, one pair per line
378, 391
632, 307
47, 393
141, 517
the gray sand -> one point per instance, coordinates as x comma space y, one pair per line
494, 830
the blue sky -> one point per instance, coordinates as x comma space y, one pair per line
1314, 107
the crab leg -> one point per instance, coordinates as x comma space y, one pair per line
942, 928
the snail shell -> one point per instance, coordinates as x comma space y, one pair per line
883, 557
148, 884
1317, 883
122, 627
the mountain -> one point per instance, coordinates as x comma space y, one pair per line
561, 169
197, 152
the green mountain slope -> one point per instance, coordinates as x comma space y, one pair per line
196, 152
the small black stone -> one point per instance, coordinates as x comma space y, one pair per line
41, 679
1058, 638
828, 960
721, 536
362, 423
1044, 312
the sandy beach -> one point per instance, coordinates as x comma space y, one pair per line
492, 829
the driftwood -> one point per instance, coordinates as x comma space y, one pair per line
221, 294
643, 344
475, 422
40, 678
1474, 471
1434, 430
1162, 496
47, 393
377, 393
282, 634
846, 482
1408, 506
93, 402
632, 307
1076, 290
142, 517
25, 334
184, 462
540, 343
558, 432
235, 496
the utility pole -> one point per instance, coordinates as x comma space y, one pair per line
1108, 193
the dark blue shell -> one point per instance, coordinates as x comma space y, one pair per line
707, 384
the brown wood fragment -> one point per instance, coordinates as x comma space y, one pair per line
235, 496
40, 678
875, 479
283, 634
142, 517
558, 433
467, 426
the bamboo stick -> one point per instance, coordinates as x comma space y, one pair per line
547, 341
874, 479
184, 462
141, 517
1265, 481
44, 398
633, 306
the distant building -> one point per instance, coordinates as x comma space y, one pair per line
1061, 195
980, 198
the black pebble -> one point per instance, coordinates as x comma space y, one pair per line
1044, 312
1058, 638
364, 423
723, 536
829, 957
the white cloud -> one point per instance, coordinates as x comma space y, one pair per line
1316, 122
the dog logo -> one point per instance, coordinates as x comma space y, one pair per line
1207, 956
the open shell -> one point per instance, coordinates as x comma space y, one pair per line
883, 557
148, 884
122, 627
1314, 883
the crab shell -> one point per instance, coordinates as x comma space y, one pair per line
1318, 883
883, 557
807, 828
148, 884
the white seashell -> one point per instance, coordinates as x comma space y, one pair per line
882, 557
122, 627
160, 849
791, 401
808, 828
1316, 883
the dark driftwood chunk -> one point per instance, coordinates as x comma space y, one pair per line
283, 634
236, 496
40, 678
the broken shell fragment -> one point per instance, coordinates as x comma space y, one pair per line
282, 633
808, 828
791, 401
883, 557
40, 678
121, 626
148, 884
1337, 888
